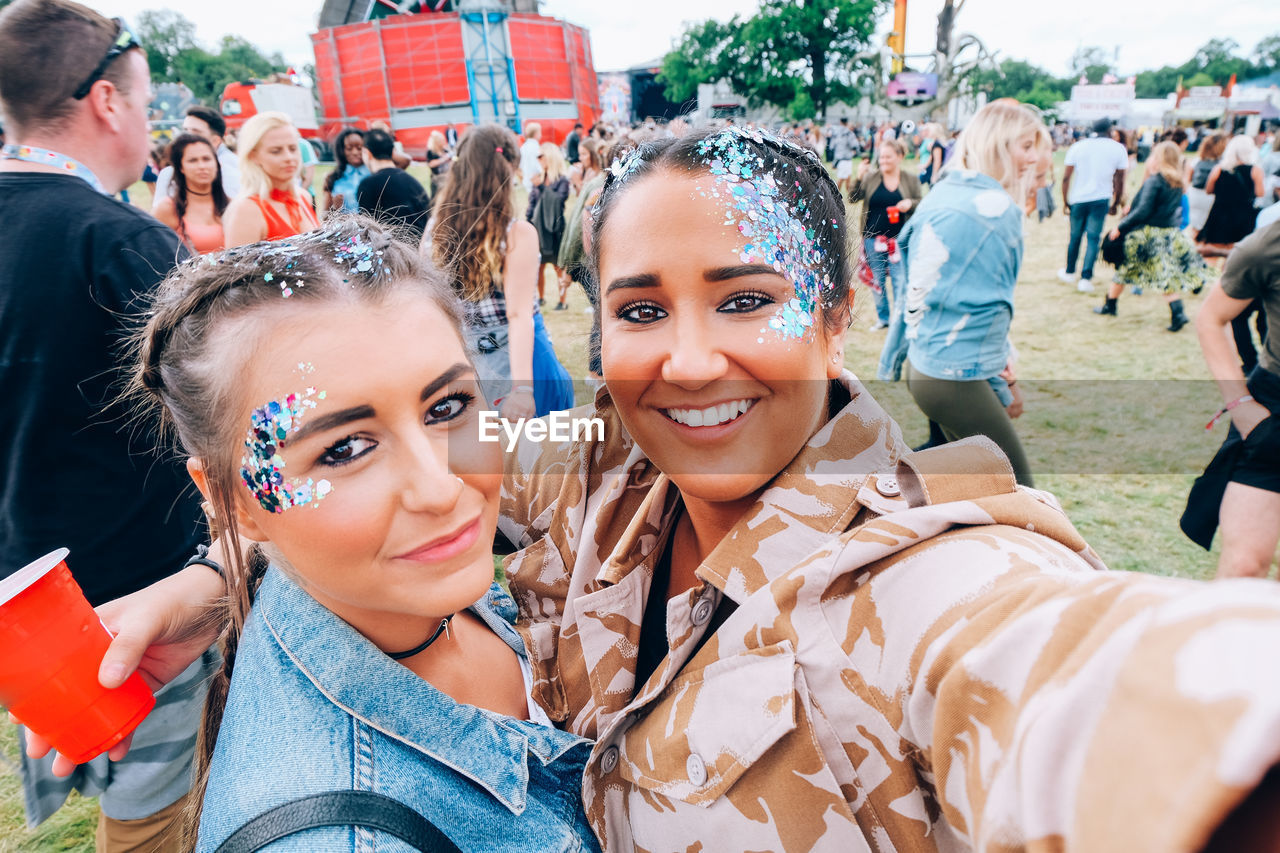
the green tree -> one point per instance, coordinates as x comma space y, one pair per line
1158, 83
801, 55
1217, 58
1266, 55
165, 34
1091, 62
1021, 81
706, 53
208, 73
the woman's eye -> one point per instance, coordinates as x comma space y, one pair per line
743, 303
347, 450
641, 312
448, 408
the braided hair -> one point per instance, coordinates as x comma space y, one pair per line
196, 340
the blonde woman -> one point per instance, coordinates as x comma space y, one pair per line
271, 205
546, 211
439, 158
1235, 184
962, 250
888, 195
529, 151
1157, 255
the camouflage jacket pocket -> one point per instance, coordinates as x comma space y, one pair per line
701, 734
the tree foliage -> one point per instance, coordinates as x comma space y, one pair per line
1212, 65
1022, 81
175, 56
799, 55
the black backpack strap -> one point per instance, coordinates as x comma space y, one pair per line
339, 808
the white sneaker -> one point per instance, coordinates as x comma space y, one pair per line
1066, 277
877, 326
1085, 285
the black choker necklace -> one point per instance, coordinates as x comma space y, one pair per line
193, 192
444, 625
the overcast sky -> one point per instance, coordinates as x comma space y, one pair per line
1147, 33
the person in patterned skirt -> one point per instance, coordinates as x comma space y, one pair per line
1157, 255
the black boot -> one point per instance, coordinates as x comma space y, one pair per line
1108, 308
1177, 317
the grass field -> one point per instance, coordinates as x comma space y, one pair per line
1114, 427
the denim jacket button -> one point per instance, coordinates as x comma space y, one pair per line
609, 760
696, 769
888, 486
702, 612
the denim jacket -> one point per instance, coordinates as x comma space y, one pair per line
962, 251
314, 706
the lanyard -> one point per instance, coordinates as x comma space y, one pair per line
45, 157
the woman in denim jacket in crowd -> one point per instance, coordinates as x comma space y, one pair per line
962, 251
369, 648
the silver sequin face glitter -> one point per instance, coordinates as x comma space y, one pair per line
262, 464
775, 222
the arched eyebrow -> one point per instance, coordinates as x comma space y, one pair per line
739, 271
629, 282
330, 420
715, 274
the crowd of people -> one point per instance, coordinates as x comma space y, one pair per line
745, 615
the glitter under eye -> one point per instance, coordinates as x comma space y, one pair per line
774, 226
261, 465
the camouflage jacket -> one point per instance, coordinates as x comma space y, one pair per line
923, 656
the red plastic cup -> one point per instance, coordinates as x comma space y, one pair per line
893, 215
51, 645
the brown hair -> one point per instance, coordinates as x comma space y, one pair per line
196, 341
47, 49
591, 154
474, 209
1212, 145
174, 155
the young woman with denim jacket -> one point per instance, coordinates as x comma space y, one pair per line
962, 251
368, 647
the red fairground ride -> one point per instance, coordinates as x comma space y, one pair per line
423, 66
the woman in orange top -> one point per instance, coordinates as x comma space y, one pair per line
271, 204
196, 201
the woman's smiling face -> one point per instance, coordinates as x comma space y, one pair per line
362, 463
715, 396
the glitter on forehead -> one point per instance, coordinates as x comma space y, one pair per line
775, 220
261, 464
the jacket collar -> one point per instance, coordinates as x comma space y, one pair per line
806, 503
494, 750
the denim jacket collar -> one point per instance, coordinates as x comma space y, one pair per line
406, 707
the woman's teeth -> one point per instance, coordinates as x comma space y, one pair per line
711, 416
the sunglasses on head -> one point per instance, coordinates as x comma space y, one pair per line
125, 40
